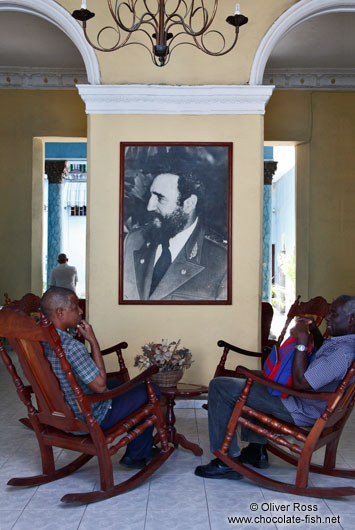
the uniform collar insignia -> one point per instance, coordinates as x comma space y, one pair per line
193, 252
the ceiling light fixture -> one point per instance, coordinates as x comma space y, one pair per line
165, 24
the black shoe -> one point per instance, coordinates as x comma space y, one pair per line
134, 463
255, 455
217, 469
138, 463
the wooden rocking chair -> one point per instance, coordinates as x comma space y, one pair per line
53, 420
325, 432
317, 308
31, 305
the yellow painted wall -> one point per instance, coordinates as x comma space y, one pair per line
323, 125
25, 114
199, 327
28, 114
188, 65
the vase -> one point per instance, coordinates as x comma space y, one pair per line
167, 379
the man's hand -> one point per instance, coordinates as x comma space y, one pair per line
307, 325
85, 330
301, 330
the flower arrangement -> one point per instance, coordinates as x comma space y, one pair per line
167, 356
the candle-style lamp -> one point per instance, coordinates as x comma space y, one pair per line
162, 26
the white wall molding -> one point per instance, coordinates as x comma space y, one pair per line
296, 14
310, 78
41, 78
60, 17
163, 99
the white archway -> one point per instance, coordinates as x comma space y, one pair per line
57, 15
298, 13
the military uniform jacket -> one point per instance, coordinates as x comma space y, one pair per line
199, 271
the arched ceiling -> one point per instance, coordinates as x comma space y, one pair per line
36, 54
317, 53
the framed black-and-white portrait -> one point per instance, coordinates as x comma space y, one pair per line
175, 223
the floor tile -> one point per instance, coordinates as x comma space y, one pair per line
8, 518
347, 521
190, 516
60, 519
122, 519
178, 488
172, 499
15, 498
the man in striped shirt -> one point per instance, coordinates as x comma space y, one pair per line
322, 372
60, 305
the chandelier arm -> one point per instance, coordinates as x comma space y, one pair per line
187, 27
193, 12
101, 48
149, 37
178, 4
113, 11
195, 44
203, 48
131, 7
204, 10
148, 49
148, 10
182, 23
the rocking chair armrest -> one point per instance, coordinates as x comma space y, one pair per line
28, 390
112, 349
323, 396
122, 389
236, 349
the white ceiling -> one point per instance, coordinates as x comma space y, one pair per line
325, 42
30, 41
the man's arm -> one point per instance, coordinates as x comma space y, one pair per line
300, 359
98, 385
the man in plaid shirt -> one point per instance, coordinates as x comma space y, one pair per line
322, 372
60, 305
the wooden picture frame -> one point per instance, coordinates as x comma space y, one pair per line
181, 193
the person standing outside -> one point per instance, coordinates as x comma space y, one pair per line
64, 275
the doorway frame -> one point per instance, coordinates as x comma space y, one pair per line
38, 161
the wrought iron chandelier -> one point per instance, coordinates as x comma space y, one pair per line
165, 25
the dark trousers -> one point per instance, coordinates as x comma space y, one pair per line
125, 405
222, 395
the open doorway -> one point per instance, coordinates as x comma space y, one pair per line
281, 291
64, 208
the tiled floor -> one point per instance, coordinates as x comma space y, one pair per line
173, 499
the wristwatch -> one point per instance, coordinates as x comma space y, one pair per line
301, 347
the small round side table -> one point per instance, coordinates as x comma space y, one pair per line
183, 390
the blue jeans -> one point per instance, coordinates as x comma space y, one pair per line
124, 405
222, 395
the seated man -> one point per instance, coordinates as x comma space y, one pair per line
322, 373
60, 305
